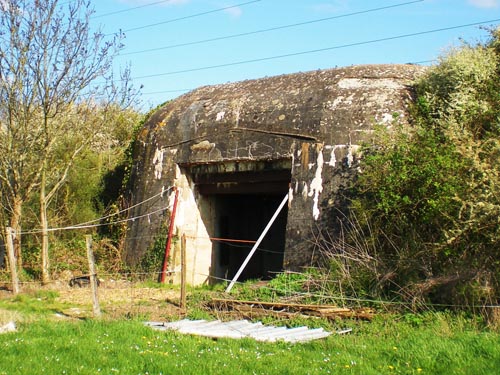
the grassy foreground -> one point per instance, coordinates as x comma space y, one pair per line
423, 344
127, 347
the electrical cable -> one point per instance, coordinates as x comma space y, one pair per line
165, 91
261, 59
132, 8
269, 29
89, 224
125, 209
186, 17
74, 227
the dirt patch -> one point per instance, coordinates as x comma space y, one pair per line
117, 299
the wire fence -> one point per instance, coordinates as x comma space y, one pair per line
131, 283
134, 289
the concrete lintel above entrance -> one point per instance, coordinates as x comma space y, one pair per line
236, 166
248, 177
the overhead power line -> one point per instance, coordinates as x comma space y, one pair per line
189, 16
315, 50
131, 9
271, 28
165, 91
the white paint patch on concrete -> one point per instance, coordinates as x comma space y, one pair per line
220, 116
356, 83
351, 151
336, 102
316, 186
158, 163
350, 156
305, 190
171, 200
333, 158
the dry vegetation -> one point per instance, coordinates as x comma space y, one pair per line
117, 299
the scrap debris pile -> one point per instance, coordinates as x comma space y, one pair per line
256, 309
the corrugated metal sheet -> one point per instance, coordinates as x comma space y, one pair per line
240, 329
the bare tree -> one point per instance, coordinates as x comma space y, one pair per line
56, 86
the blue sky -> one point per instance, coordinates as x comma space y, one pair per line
170, 48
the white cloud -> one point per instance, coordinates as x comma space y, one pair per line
331, 6
234, 12
484, 3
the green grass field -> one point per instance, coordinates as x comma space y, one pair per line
432, 343
127, 347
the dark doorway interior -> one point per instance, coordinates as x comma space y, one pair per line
244, 217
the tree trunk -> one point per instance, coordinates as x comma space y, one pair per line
12, 260
15, 224
45, 233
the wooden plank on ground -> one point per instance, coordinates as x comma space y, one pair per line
255, 308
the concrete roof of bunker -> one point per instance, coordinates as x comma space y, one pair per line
364, 91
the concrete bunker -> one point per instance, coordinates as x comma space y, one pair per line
234, 151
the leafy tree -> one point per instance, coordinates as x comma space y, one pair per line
431, 192
56, 93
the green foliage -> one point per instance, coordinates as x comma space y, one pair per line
77, 202
409, 167
283, 285
151, 262
289, 283
462, 89
430, 194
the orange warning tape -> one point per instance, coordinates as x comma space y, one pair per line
231, 240
224, 239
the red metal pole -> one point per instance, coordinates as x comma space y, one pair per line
169, 238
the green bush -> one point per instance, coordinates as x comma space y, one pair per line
430, 193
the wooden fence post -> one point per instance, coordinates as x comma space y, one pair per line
93, 277
12, 260
183, 274
168, 244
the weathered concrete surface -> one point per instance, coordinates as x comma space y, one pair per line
311, 123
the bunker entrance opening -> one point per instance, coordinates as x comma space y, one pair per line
243, 198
